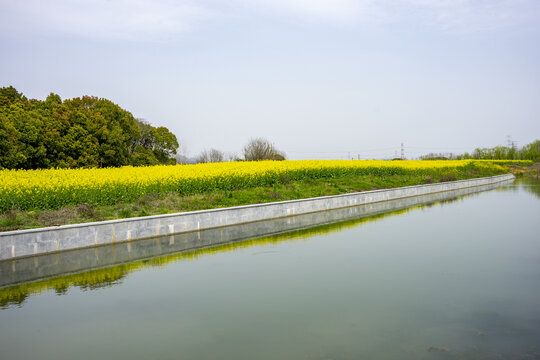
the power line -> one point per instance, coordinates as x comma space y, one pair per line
440, 148
393, 148
378, 153
338, 152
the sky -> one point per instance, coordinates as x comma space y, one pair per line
320, 79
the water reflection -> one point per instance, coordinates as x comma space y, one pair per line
90, 280
531, 185
106, 266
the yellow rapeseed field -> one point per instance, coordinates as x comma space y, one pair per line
54, 188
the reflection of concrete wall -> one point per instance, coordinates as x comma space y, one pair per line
38, 267
14, 244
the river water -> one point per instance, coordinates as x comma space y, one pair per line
453, 280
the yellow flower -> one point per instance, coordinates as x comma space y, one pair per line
53, 188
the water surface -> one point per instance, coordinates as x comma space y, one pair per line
454, 280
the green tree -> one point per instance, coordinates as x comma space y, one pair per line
531, 151
153, 145
80, 132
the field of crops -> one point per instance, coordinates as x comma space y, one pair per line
53, 189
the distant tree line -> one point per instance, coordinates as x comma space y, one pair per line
438, 156
256, 149
80, 132
528, 152
210, 156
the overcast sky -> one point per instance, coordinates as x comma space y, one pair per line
319, 78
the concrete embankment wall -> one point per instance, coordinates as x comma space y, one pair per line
16, 244
29, 269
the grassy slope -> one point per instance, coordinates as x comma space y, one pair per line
169, 203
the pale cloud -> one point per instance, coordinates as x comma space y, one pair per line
161, 20
336, 11
445, 15
133, 20
470, 15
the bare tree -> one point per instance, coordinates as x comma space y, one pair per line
216, 155
261, 149
210, 156
182, 156
232, 157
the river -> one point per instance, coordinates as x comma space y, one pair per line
455, 279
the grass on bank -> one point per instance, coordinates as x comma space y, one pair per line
525, 170
172, 202
49, 189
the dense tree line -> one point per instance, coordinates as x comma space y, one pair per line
528, 152
80, 132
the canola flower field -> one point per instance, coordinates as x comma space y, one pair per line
56, 188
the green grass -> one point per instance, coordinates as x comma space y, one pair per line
153, 204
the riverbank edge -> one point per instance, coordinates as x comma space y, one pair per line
23, 243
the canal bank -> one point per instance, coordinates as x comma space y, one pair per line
184, 245
23, 243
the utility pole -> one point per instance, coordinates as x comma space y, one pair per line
514, 150
349, 156
512, 146
402, 152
